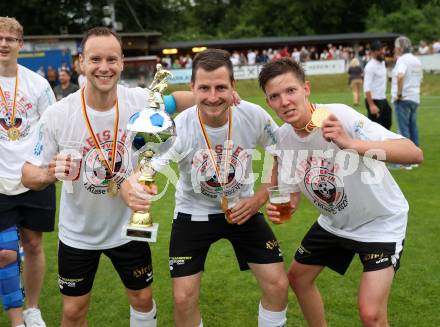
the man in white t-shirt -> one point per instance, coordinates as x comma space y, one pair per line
216, 178
82, 140
375, 86
24, 97
406, 79
362, 210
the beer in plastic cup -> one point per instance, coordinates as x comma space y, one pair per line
231, 203
280, 198
73, 150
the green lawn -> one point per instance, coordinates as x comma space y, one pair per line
230, 297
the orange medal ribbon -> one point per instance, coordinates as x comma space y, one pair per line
13, 132
309, 126
102, 157
221, 180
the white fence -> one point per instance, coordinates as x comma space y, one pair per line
324, 67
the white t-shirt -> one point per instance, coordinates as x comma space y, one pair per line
375, 79
89, 218
198, 192
357, 197
411, 67
34, 95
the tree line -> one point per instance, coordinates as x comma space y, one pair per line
180, 20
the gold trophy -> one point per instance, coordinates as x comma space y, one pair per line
152, 132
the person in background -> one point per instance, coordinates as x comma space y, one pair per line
65, 87
52, 76
375, 86
78, 77
406, 80
355, 77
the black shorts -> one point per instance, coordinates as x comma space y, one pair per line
322, 248
77, 267
385, 113
253, 242
34, 210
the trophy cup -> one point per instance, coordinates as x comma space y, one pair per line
152, 132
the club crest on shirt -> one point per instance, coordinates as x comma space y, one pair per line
324, 186
204, 176
21, 121
96, 175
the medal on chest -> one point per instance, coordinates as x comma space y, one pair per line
222, 174
13, 132
108, 164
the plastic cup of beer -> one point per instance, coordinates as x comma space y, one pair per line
232, 202
73, 151
280, 198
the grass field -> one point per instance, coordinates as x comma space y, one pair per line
230, 298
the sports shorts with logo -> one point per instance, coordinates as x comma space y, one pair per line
322, 248
253, 242
77, 267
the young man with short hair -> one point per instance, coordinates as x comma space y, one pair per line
92, 121
24, 96
362, 208
216, 138
375, 86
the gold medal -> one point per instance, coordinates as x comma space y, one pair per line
319, 115
14, 133
112, 188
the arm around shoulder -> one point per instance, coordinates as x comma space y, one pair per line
183, 99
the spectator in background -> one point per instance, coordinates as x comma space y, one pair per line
243, 59
407, 77
284, 52
188, 61
262, 57
251, 57
304, 54
355, 74
296, 55
65, 87
375, 86
436, 46
52, 76
77, 77
235, 58
423, 48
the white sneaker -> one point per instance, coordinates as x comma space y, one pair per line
32, 318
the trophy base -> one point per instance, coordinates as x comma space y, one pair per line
140, 233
